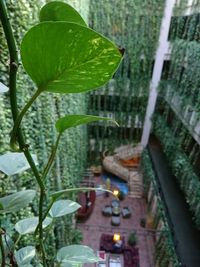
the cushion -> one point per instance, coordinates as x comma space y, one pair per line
126, 213
115, 220
107, 211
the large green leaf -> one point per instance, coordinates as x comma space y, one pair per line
63, 207
27, 226
16, 201
76, 254
65, 57
24, 255
74, 120
59, 11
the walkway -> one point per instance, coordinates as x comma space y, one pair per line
98, 224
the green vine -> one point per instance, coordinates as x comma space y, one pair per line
134, 26
164, 247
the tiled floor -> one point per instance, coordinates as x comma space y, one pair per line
97, 224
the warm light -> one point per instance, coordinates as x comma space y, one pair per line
116, 237
116, 192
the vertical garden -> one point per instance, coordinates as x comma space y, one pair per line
176, 122
134, 26
39, 126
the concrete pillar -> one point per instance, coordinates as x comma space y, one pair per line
162, 50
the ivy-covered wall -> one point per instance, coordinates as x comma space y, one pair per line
178, 124
39, 123
181, 152
164, 252
133, 26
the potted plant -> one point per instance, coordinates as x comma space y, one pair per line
121, 195
132, 239
143, 222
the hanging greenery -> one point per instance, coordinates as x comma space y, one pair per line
165, 252
181, 166
177, 127
134, 26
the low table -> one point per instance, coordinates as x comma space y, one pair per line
115, 261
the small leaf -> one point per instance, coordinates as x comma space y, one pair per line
59, 11
63, 207
64, 57
27, 226
16, 201
3, 88
14, 162
74, 120
25, 255
76, 254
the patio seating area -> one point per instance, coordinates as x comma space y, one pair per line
111, 216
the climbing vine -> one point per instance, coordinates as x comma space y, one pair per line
40, 134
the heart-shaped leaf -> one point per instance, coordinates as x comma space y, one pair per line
14, 162
25, 255
59, 11
63, 207
27, 226
74, 120
16, 201
76, 254
64, 57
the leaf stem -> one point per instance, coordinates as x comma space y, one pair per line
45, 215
17, 241
13, 139
51, 158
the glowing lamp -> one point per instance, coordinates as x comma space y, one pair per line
116, 192
116, 237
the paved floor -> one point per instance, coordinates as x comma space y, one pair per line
97, 224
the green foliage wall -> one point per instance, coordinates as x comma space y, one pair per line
179, 108
71, 159
165, 253
133, 25
174, 143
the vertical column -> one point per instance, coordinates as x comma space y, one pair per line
162, 50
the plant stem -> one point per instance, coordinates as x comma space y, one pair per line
3, 257
17, 241
51, 158
13, 100
45, 215
12, 85
19, 118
